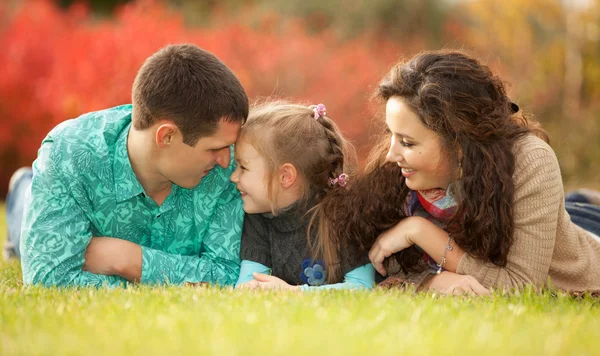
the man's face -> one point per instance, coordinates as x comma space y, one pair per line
186, 165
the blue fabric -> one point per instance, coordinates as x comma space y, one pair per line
576, 197
249, 267
359, 278
586, 216
15, 201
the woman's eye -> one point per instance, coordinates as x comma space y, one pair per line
406, 144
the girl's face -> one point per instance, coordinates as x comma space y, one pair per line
251, 177
416, 149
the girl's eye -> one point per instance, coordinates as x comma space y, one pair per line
406, 144
243, 168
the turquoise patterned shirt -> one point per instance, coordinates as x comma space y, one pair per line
83, 186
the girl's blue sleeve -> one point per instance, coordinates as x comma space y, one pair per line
359, 278
249, 267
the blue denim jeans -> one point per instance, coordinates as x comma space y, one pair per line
15, 201
583, 213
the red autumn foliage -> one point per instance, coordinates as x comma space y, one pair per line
56, 65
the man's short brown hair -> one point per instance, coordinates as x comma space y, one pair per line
189, 86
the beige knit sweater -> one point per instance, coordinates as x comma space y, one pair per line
547, 245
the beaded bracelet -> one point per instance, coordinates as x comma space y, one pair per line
448, 247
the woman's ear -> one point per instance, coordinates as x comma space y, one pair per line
287, 175
459, 154
459, 157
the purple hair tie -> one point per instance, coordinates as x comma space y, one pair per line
319, 111
342, 180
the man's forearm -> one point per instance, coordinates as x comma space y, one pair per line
130, 264
114, 256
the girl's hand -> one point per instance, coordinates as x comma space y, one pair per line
455, 284
271, 282
250, 285
394, 240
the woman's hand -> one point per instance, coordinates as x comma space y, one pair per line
455, 284
271, 282
394, 240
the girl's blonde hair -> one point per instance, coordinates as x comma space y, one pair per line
282, 133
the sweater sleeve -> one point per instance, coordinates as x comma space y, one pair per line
248, 268
255, 241
538, 197
359, 278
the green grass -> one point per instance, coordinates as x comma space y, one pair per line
188, 320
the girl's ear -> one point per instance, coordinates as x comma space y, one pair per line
287, 175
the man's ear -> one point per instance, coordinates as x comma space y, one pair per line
287, 175
165, 134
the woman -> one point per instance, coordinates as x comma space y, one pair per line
476, 188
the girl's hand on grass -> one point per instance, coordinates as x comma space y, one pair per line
271, 282
250, 285
455, 284
394, 240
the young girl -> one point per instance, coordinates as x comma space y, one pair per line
289, 158
470, 195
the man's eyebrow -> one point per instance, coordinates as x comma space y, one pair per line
220, 148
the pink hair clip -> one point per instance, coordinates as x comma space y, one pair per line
342, 180
319, 111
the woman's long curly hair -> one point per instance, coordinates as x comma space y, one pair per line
461, 100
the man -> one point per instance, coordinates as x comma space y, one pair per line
141, 192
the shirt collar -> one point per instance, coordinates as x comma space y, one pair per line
126, 183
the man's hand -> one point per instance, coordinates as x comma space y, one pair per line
114, 257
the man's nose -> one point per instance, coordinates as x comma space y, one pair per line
224, 158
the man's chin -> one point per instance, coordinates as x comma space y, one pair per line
189, 184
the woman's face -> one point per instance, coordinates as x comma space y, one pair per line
416, 149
